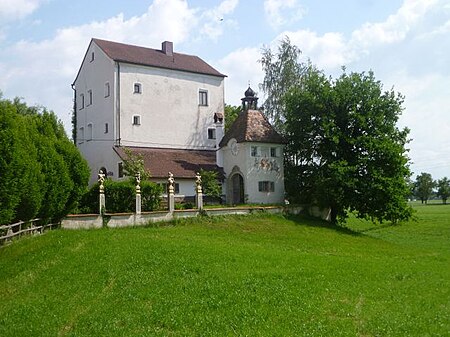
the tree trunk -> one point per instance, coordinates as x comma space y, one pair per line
333, 215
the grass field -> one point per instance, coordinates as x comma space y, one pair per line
258, 275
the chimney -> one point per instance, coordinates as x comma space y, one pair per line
167, 48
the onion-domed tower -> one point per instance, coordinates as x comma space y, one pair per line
250, 101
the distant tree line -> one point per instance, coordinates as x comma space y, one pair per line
42, 173
425, 187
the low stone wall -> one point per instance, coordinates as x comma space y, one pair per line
82, 221
86, 221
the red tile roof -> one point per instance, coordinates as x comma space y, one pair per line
182, 163
155, 58
252, 126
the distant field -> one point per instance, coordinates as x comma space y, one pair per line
258, 275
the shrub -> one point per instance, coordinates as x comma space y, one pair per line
121, 197
150, 196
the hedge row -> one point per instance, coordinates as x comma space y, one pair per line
42, 173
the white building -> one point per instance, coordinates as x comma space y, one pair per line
253, 157
169, 107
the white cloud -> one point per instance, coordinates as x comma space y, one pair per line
241, 66
281, 12
327, 51
11, 10
51, 65
426, 114
216, 21
396, 27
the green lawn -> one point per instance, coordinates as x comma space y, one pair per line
258, 275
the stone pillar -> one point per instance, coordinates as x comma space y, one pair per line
102, 201
170, 193
198, 191
138, 193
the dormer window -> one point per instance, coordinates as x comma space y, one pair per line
137, 88
211, 133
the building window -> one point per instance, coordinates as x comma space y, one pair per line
90, 97
273, 152
137, 88
266, 186
136, 120
89, 132
211, 133
81, 136
106, 128
120, 170
107, 89
203, 97
92, 57
254, 151
82, 101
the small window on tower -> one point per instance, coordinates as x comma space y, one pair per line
106, 128
273, 152
254, 151
266, 186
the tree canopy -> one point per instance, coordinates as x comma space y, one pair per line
344, 149
282, 71
423, 186
231, 113
443, 191
42, 172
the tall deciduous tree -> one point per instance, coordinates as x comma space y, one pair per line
443, 191
344, 149
282, 71
424, 186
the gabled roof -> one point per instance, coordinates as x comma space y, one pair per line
156, 58
182, 163
252, 126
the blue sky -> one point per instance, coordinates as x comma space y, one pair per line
405, 42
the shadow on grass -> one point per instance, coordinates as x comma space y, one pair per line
306, 220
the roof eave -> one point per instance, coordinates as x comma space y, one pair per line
161, 67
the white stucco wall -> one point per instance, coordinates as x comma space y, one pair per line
168, 106
253, 171
93, 76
